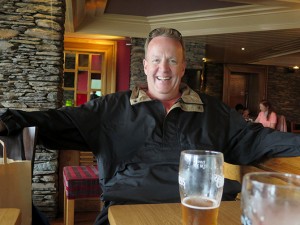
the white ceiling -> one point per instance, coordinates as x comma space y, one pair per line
269, 30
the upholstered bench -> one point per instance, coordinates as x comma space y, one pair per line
79, 182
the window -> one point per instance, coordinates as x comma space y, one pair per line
83, 72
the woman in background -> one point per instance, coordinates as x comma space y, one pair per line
267, 117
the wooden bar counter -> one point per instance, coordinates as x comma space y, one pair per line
166, 214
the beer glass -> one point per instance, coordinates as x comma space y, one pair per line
270, 198
201, 184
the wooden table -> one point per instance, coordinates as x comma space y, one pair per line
282, 165
10, 216
166, 214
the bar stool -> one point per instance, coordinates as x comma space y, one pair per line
79, 182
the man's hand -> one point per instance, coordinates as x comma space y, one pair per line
2, 126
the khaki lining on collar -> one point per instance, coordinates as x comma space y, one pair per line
190, 101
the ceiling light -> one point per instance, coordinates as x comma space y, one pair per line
296, 67
243, 49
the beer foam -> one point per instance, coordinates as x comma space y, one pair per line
199, 202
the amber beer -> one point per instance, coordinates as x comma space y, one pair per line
199, 211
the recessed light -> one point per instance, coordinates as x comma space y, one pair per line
243, 49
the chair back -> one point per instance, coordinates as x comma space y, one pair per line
87, 159
295, 127
21, 146
281, 123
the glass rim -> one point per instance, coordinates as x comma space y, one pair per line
201, 152
295, 179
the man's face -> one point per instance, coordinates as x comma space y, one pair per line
164, 67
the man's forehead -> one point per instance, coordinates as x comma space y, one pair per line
163, 39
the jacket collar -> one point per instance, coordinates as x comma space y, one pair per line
190, 101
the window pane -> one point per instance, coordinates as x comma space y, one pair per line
95, 94
81, 98
82, 81
69, 78
68, 98
83, 60
70, 61
96, 81
98, 93
96, 62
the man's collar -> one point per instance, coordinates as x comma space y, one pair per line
138, 95
189, 101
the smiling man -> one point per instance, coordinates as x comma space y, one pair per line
164, 65
137, 136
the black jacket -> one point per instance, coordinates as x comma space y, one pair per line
137, 144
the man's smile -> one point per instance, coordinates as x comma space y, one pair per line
164, 78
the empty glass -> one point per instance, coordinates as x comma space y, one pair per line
270, 198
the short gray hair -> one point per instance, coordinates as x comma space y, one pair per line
165, 32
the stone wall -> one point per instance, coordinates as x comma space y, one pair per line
283, 92
137, 75
31, 65
213, 77
31, 45
45, 181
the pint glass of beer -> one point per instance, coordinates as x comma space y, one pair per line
270, 198
201, 183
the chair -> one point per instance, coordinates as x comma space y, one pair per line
281, 123
295, 127
80, 182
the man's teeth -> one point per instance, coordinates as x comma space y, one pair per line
164, 78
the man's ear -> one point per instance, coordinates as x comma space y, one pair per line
145, 63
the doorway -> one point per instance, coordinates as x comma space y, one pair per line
244, 84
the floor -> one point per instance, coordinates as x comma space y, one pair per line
86, 211
81, 218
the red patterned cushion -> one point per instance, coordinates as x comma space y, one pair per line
81, 182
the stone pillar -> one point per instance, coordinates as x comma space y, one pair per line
31, 69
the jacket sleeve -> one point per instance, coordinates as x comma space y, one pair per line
251, 142
55, 129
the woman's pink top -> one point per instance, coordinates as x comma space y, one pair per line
262, 118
